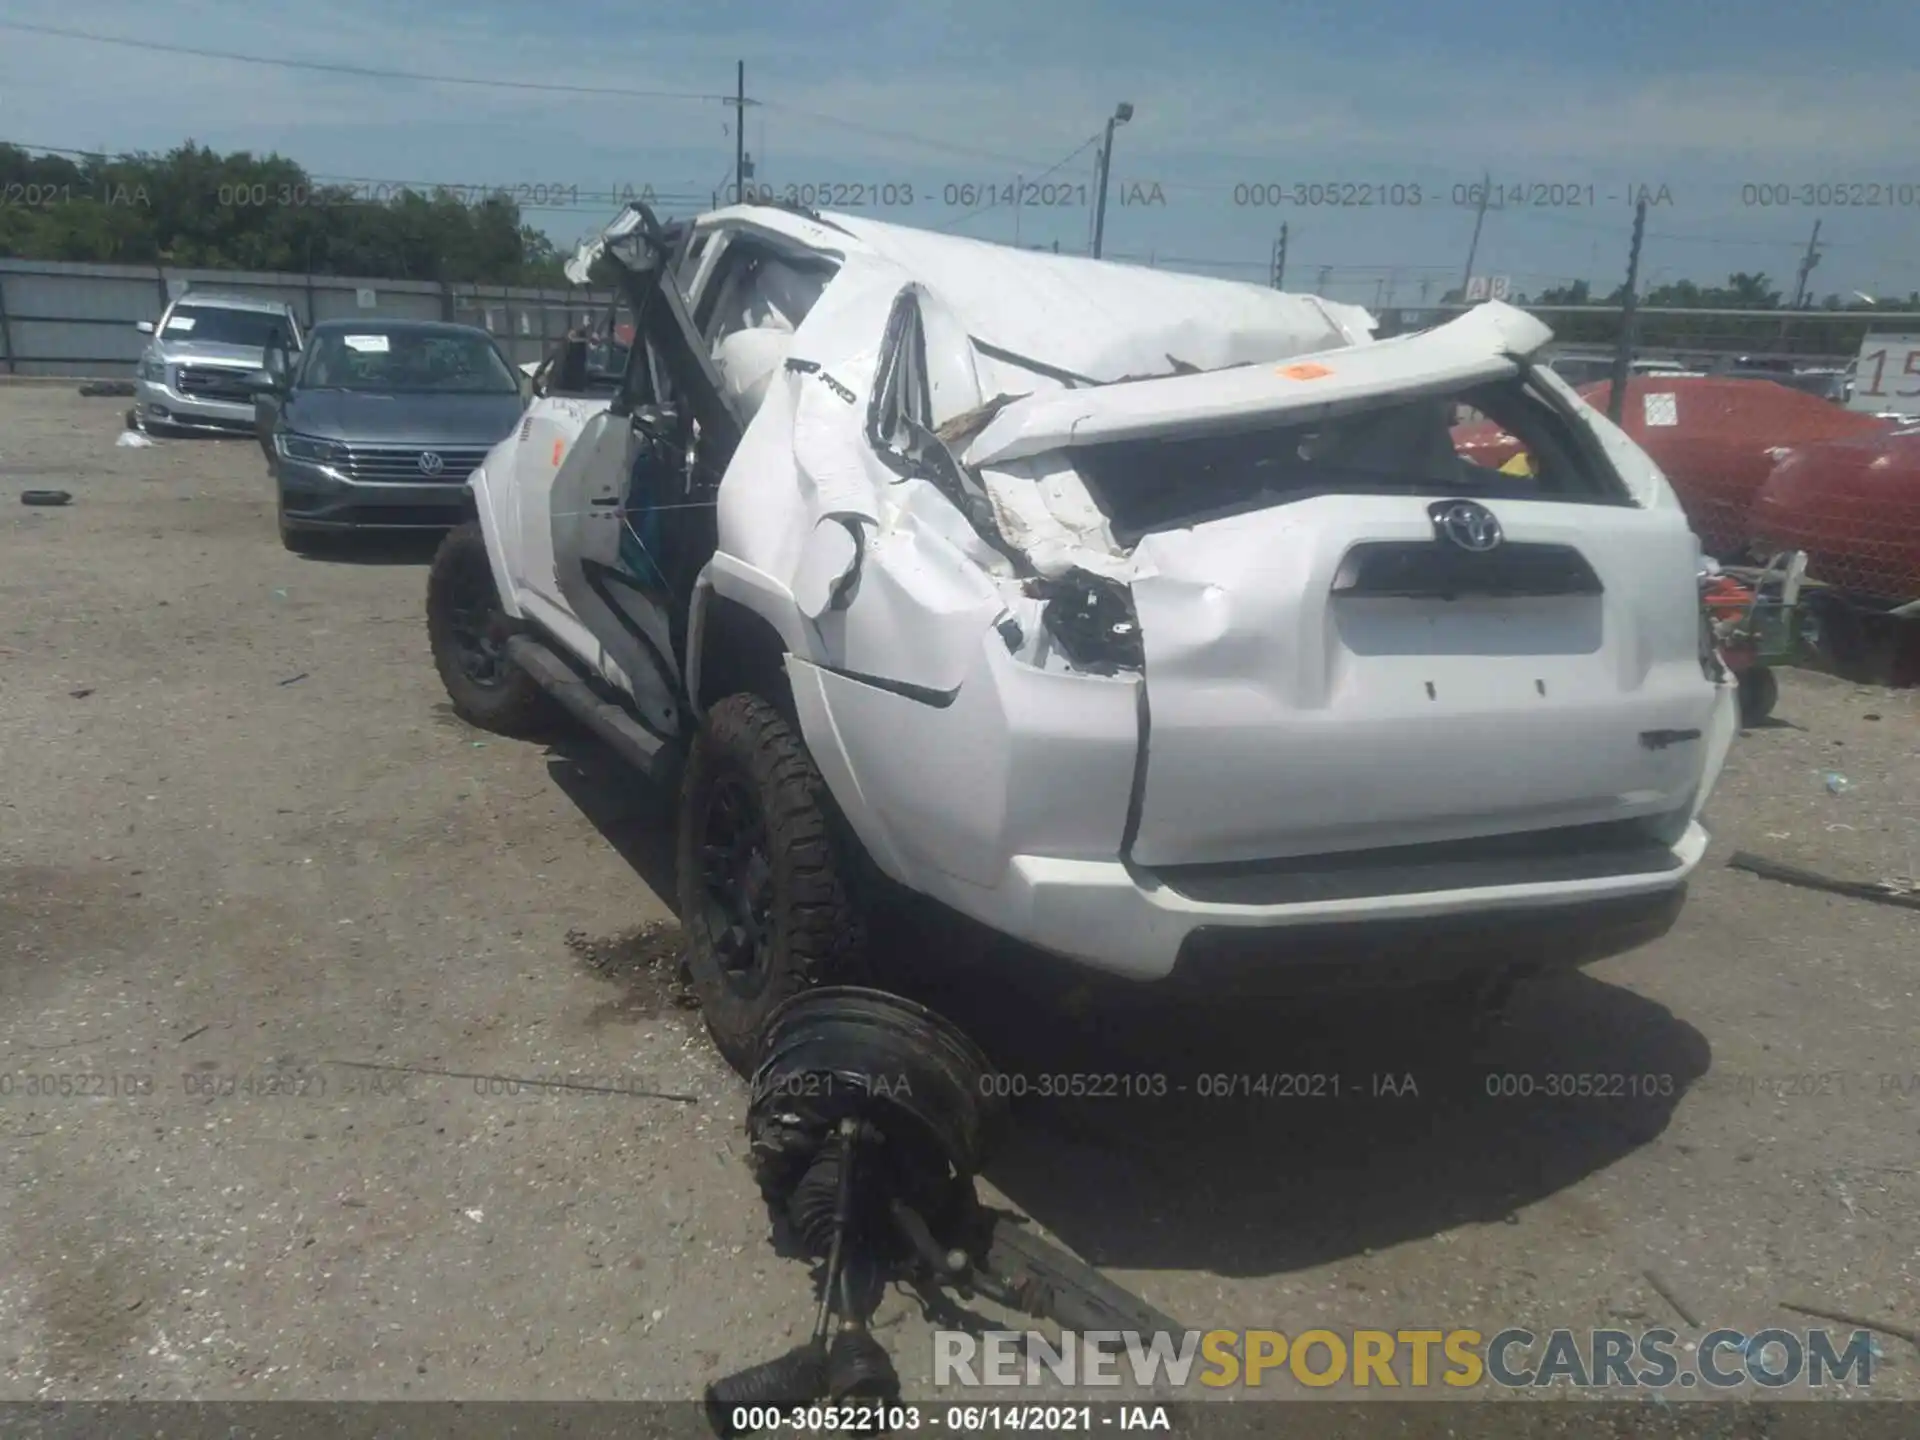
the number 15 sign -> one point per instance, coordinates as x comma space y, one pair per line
1886, 377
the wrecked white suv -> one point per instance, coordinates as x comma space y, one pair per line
1151, 620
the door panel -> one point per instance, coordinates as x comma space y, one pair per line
549, 435
603, 570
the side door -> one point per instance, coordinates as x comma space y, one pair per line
606, 543
632, 507
564, 404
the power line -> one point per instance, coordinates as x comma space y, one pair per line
363, 71
1535, 213
883, 133
1022, 183
489, 82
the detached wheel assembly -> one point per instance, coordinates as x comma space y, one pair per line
869, 1119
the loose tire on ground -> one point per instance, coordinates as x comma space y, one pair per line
765, 875
468, 632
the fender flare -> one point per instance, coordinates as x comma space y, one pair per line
757, 593
498, 513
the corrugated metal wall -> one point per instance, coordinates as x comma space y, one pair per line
58, 318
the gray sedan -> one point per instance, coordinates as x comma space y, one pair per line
378, 424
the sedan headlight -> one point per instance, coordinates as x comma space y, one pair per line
153, 368
308, 448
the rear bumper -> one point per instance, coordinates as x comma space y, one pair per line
317, 498
1020, 829
1116, 918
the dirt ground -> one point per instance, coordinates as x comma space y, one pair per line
246, 853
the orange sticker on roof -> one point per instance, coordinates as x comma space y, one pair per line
558, 447
1305, 372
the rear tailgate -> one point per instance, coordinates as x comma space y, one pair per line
1328, 668
1293, 713
1478, 346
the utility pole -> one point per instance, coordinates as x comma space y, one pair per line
1122, 113
742, 162
1807, 262
740, 133
1473, 246
1280, 258
1629, 312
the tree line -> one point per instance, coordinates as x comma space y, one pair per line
196, 208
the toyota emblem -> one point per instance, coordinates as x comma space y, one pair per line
432, 464
1470, 526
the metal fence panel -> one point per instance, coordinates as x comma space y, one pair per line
66, 318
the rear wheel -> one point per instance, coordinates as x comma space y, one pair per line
764, 875
468, 630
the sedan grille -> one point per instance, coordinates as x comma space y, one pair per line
199, 383
412, 464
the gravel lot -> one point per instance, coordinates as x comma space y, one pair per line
244, 842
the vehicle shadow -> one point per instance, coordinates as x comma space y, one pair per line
632, 816
394, 547
1248, 1139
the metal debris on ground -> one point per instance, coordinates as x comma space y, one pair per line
45, 497
1836, 783
294, 679
96, 388
1888, 892
82, 692
1840, 1317
1667, 1293
870, 1117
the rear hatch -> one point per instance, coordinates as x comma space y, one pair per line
1356, 639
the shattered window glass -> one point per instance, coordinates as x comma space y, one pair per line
763, 292
1520, 448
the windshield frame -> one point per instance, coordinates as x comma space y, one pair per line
333, 341
277, 326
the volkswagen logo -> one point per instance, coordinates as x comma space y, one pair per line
432, 464
1470, 526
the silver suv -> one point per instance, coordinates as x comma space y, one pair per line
192, 375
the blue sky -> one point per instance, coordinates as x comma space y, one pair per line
1234, 101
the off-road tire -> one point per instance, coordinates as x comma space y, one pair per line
514, 704
818, 933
